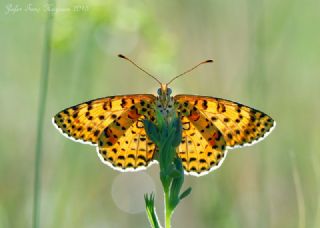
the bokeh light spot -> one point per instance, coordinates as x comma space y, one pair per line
128, 190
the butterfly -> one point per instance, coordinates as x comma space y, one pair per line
210, 125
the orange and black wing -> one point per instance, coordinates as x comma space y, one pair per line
111, 123
239, 125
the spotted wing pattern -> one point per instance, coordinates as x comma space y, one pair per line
124, 144
240, 125
202, 147
86, 121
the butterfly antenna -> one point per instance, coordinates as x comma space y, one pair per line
126, 58
207, 61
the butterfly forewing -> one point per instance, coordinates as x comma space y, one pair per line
86, 121
240, 125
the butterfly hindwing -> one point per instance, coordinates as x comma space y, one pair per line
124, 143
240, 125
203, 147
86, 121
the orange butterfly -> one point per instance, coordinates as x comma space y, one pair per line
210, 127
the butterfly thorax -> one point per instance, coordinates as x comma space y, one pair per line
165, 102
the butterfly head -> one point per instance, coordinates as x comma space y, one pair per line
164, 90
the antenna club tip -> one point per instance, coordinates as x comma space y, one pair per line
209, 61
122, 56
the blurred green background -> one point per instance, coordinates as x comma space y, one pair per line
266, 56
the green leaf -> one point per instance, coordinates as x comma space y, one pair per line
174, 173
177, 183
185, 193
166, 152
151, 213
152, 131
160, 119
178, 132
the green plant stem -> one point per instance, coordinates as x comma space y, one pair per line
167, 134
168, 212
41, 111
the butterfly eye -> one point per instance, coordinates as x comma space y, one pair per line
159, 91
169, 91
